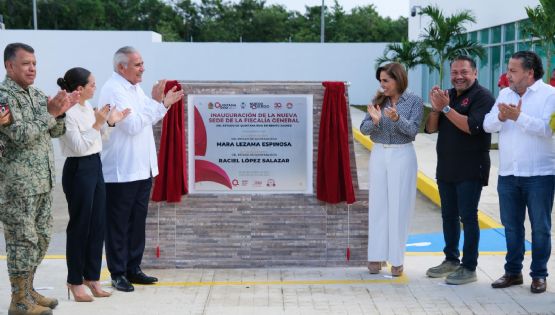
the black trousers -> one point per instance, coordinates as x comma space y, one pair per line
126, 210
83, 185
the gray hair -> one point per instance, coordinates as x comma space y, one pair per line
122, 56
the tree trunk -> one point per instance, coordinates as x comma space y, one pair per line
441, 70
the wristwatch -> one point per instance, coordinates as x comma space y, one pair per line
446, 109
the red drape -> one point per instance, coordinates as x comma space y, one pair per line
171, 183
333, 178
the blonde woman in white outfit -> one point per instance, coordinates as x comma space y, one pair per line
392, 123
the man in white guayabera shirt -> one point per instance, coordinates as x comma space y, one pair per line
129, 163
526, 166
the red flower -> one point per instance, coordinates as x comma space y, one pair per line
465, 102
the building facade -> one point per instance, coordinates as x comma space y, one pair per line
498, 29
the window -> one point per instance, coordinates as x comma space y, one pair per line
496, 34
508, 51
484, 36
483, 68
495, 69
509, 32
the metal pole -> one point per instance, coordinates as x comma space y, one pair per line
322, 22
35, 14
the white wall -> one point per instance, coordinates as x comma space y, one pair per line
57, 51
488, 13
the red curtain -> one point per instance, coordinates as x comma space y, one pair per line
333, 178
171, 183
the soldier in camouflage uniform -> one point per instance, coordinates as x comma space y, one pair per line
27, 175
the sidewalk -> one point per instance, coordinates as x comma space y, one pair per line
302, 291
350, 290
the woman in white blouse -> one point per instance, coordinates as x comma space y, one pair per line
83, 184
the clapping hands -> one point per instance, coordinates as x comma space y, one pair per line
109, 115
439, 98
158, 90
117, 116
391, 112
61, 102
5, 117
100, 116
171, 96
509, 111
375, 113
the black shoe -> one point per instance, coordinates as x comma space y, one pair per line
122, 284
507, 280
140, 278
538, 285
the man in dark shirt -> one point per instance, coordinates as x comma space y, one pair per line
462, 166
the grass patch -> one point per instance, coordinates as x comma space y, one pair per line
360, 107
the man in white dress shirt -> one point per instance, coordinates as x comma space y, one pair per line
526, 166
129, 163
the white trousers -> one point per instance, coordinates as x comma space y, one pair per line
392, 194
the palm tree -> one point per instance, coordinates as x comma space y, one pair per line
542, 27
408, 53
444, 37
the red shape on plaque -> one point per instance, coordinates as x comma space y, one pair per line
206, 171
